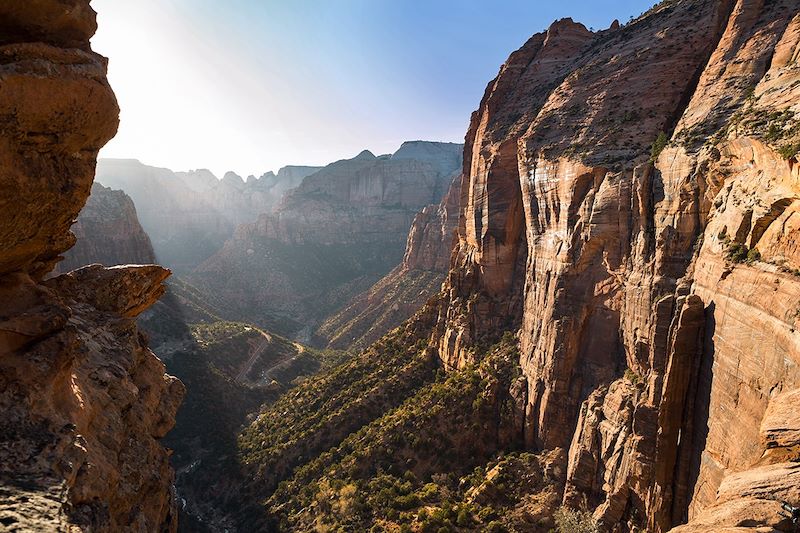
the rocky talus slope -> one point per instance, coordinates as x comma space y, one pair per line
402, 292
83, 401
108, 232
189, 215
624, 294
329, 239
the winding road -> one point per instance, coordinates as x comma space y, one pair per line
259, 350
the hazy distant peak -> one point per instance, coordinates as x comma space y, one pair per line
415, 149
199, 180
251, 179
292, 171
445, 156
364, 155
268, 176
118, 161
232, 178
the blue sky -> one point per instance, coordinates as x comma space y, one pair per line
252, 85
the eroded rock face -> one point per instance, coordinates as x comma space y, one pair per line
60, 111
654, 291
108, 232
83, 401
331, 238
401, 293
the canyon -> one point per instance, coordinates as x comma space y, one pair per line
329, 239
584, 318
627, 212
189, 215
404, 290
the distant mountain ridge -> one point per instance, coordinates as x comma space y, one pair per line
342, 229
188, 215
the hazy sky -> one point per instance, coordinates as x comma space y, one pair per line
252, 85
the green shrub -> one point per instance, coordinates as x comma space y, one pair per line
753, 255
658, 145
464, 519
573, 521
737, 252
494, 527
788, 151
487, 514
633, 377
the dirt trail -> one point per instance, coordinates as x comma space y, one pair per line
263, 344
258, 351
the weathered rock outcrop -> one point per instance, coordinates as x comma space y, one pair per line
83, 402
403, 291
108, 232
331, 238
189, 215
630, 201
365, 199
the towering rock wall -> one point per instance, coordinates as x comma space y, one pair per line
108, 232
629, 203
83, 401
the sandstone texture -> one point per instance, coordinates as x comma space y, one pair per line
108, 232
629, 207
189, 215
83, 401
331, 238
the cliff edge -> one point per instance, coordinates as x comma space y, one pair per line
83, 400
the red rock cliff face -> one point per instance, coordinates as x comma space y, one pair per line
656, 300
108, 232
83, 401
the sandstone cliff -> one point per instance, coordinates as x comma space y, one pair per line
329, 239
630, 201
402, 292
108, 232
189, 215
83, 399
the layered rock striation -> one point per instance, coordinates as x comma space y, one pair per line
630, 201
83, 401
